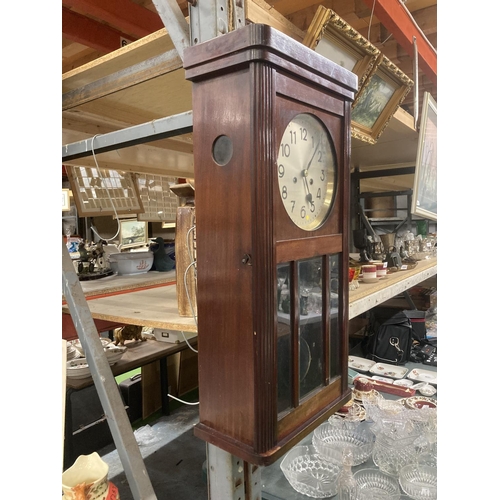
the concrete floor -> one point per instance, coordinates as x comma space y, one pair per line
175, 460
173, 457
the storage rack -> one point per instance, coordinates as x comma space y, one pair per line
207, 20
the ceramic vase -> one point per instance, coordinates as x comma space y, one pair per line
87, 479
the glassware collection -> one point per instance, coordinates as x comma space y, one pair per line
386, 451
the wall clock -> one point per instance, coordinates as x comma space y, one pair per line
271, 134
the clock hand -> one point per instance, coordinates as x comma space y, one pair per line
313, 155
304, 177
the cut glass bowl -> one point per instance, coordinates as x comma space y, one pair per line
419, 481
376, 484
330, 441
309, 474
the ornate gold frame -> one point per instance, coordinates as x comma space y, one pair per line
333, 38
378, 99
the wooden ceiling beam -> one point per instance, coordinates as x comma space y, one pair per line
123, 15
397, 19
90, 33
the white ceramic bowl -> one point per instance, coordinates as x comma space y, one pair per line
78, 346
77, 368
125, 263
114, 353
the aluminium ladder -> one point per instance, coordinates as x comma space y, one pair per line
107, 389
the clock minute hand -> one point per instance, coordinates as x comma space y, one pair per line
312, 157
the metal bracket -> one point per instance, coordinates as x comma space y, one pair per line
212, 18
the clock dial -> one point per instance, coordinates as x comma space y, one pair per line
306, 171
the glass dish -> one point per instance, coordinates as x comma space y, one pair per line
419, 481
329, 440
309, 474
373, 483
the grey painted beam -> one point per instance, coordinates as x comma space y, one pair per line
131, 136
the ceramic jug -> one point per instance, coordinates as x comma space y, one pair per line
87, 479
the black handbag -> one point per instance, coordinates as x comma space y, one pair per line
389, 339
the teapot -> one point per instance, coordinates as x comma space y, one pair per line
393, 258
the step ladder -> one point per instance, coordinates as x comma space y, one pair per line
104, 380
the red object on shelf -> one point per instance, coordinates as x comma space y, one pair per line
69, 331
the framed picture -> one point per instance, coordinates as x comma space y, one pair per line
65, 200
378, 100
424, 200
133, 233
100, 191
330, 36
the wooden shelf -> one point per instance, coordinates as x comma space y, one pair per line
369, 295
148, 299
122, 301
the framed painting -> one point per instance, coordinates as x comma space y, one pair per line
333, 38
377, 101
424, 200
133, 233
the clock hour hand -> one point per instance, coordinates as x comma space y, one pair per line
304, 177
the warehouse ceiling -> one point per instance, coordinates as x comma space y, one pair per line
93, 28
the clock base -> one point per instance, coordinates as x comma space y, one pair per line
248, 454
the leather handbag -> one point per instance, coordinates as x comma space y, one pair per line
390, 340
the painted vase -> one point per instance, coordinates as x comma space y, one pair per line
87, 479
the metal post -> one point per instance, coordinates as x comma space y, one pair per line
211, 18
107, 389
230, 477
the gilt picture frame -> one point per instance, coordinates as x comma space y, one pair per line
377, 101
333, 38
424, 199
133, 233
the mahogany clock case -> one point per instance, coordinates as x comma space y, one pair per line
247, 86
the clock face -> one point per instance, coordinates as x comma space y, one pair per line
307, 171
